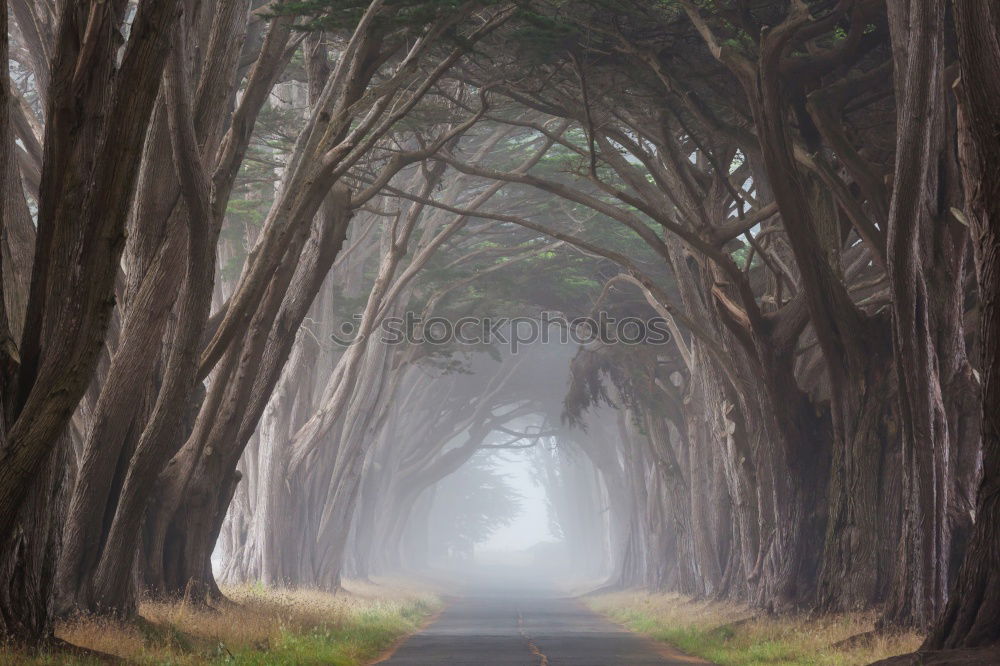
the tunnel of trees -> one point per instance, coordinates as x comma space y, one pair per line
211, 209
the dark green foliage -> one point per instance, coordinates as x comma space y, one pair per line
335, 15
539, 36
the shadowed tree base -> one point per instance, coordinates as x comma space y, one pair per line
971, 657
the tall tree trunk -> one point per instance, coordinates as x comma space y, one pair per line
159, 245
97, 111
926, 258
28, 555
182, 526
972, 616
855, 346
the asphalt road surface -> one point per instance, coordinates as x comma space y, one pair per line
522, 628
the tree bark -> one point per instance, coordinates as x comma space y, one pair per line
972, 616
926, 259
182, 525
98, 108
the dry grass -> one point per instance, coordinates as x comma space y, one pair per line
733, 635
262, 626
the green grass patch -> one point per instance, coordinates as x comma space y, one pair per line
262, 627
734, 635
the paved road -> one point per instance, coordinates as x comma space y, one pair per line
525, 629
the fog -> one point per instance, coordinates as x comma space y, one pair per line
533, 523
528, 544
521, 499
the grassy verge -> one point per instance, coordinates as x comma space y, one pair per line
262, 626
733, 635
